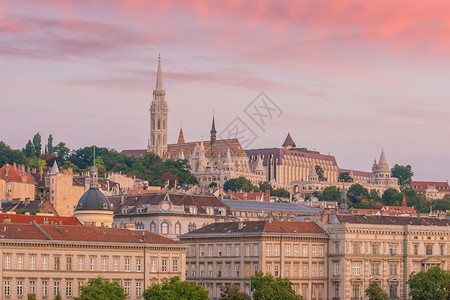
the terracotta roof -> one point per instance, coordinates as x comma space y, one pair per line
260, 227
421, 186
245, 196
135, 152
399, 210
219, 148
181, 137
15, 173
80, 234
14, 218
279, 153
392, 220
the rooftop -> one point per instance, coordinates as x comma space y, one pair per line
391, 220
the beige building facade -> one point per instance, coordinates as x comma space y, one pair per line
385, 249
16, 183
47, 259
222, 254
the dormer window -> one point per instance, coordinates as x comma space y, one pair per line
105, 206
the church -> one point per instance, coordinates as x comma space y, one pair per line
213, 161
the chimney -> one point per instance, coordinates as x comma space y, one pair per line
267, 196
324, 217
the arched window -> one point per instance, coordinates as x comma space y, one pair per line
178, 228
153, 139
153, 227
165, 228
159, 124
153, 123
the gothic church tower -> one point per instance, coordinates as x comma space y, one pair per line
158, 117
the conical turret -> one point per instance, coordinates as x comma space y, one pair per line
159, 82
313, 174
55, 169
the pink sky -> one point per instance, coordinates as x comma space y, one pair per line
351, 77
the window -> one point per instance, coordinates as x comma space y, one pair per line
228, 250
276, 270
44, 262
247, 250
336, 268
429, 249
19, 288
393, 288
153, 227
92, 263
320, 251
81, 263
336, 247
238, 270
375, 249
138, 264
175, 265
269, 250
153, 265
375, 268
296, 270
305, 271
287, 270
57, 262
7, 285
177, 228
210, 250
295, 250
164, 265
33, 287
356, 248
20, 262
393, 249
268, 268
357, 291
228, 270
393, 269
127, 264
219, 250
126, 288
69, 263
442, 249
356, 268
116, 264
104, 264
138, 288
288, 250
255, 268
210, 270
45, 288
237, 250
416, 267
32, 262
305, 251
165, 228
336, 289
202, 270
313, 271
69, 288
277, 250
7, 264
56, 287
255, 250
202, 251
313, 251
416, 249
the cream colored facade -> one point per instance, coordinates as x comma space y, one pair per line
16, 183
46, 267
219, 259
63, 194
361, 251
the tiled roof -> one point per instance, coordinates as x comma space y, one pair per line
391, 220
14, 218
423, 185
245, 196
294, 208
278, 153
15, 173
80, 234
356, 173
219, 148
399, 210
259, 227
135, 152
200, 201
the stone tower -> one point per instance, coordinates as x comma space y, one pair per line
158, 117
213, 132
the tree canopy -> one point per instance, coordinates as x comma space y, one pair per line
101, 289
232, 293
375, 292
345, 177
267, 287
176, 289
432, 284
239, 184
403, 173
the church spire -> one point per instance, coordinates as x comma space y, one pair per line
213, 132
159, 83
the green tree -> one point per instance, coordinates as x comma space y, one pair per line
101, 289
374, 195
37, 146
212, 184
266, 287
61, 150
330, 193
375, 292
31, 296
35, 162
232, 293
264, 186
176, 289
432, 284
239, 184
320, 173
58, 296
10, 156
49, 147
29, 149
280, 192
392, 197
357, 194
345, 177
403, 173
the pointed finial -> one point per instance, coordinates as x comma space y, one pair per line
159, 84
